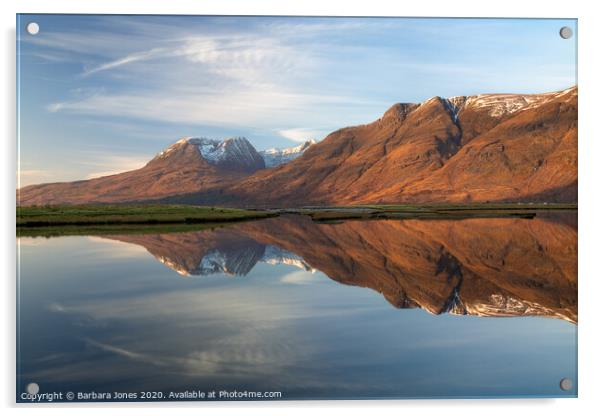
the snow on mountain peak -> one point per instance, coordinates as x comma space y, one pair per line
239, 263
237, 152
274, 157
498, 105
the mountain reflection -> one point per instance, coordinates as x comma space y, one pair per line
481, 266
206, 253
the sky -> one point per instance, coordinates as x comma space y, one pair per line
101, 94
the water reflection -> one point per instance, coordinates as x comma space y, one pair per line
308, 318
483, 267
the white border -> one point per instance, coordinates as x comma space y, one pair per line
590, 201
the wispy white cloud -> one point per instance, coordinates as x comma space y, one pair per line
106, 164
257, 54
249, 108
252, 80
302, 134
133, 57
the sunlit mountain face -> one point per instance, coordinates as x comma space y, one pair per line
480, 267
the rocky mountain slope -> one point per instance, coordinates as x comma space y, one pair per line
462, 150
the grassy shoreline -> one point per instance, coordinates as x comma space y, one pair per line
100, 215
171, 215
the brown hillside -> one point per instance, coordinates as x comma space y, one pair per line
436, 152
180, 170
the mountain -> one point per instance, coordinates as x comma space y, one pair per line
478, 266
276, 157
189, 165
212, 252
489, 147
235, 153
464, 149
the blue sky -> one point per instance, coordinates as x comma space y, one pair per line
104, 94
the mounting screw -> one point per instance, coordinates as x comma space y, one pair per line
566, 384
566, 32
32, 388
33, 28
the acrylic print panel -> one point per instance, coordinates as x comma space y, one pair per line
277, 208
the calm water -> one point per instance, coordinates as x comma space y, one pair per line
360, 309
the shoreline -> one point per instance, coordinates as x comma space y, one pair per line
83, 220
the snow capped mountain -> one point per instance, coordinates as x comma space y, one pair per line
235, 152
498, 105
240, 261
275, 157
